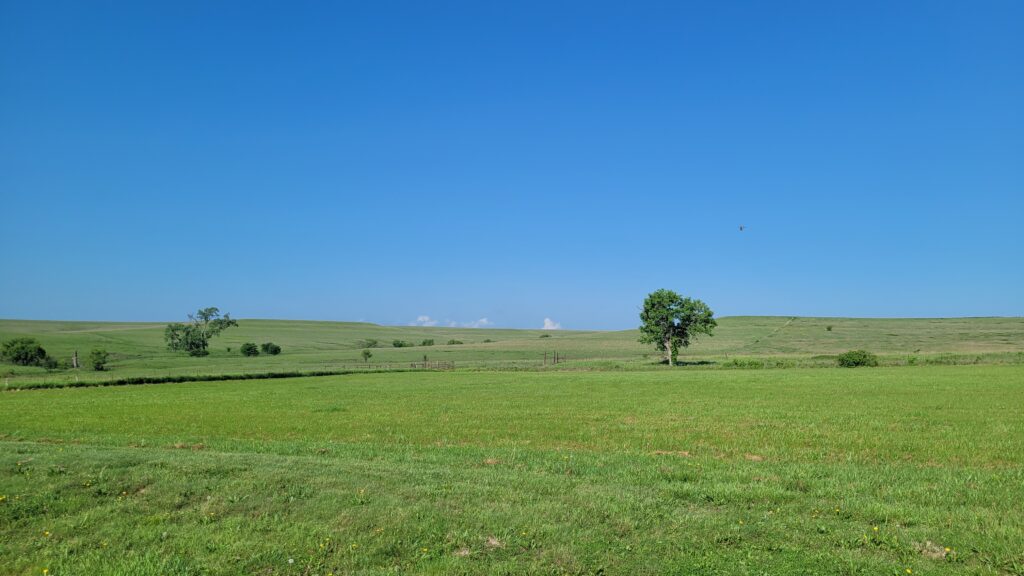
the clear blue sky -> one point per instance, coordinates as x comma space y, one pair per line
512, 161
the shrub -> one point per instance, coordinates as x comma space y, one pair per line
454, 342
745, 363
427, 342
367, 355
828, 328
368, 343
23, 352
402, 344
50, 363
270, 348
855, 358
488, 341
249, 349
545, 335
98, 359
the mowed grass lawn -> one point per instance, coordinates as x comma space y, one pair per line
807, 471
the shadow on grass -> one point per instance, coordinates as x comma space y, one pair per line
684, 363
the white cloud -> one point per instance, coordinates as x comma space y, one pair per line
550, 324
424, 320
481, 323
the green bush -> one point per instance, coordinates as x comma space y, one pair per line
98, 359
270, 348
427, 342
402, 344
545, 335
367, 343
367, 355
828, 328
855, 358
50, 363
745, 363
454, 342
23, 352
249, 349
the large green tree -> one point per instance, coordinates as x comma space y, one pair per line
670, 322
194, 337
23, 352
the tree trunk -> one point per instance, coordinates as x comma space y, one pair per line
668, 350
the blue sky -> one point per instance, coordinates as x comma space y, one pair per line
510, 161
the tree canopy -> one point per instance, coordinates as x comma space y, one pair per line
670, 322
23, 352
194, 337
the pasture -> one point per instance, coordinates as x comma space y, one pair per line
891, 470
138, 349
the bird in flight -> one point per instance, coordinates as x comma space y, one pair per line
742, 227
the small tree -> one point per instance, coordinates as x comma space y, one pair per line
194, 337
454, 342
250, 349
98, 359
670, 321
367, 355
270, 348
23, 352
427, 342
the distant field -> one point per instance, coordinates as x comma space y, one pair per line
814, 471
138, 348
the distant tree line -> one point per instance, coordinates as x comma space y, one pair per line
194, 336
29, 352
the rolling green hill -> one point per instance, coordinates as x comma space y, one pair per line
138, 349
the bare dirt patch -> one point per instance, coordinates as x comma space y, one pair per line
754, 457
682, 453
493, 542
184, 446
492, 461
930, 549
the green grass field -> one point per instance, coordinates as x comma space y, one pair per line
607, 464
815, 471
138, 348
